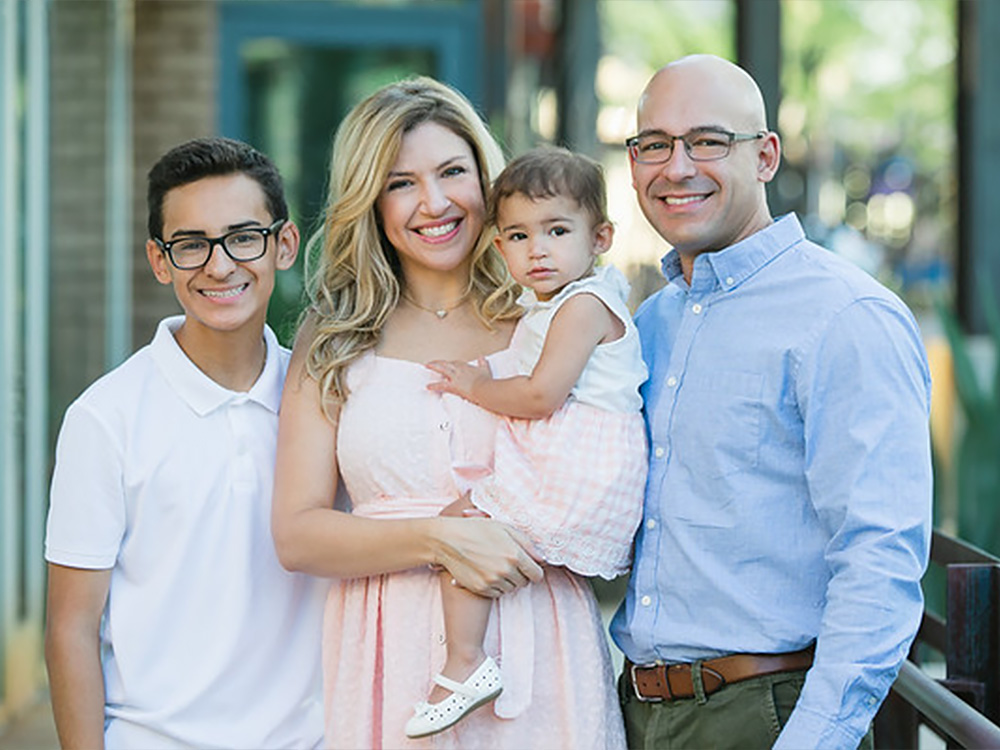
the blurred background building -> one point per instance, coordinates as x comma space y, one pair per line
889, 113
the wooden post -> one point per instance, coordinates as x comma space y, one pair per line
896, 724
758, 51
973, 655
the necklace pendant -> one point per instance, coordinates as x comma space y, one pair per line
440, 313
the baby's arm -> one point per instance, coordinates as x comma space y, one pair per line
577, 328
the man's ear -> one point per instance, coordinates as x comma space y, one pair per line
288, 241
159, 262
604, 235
769, 157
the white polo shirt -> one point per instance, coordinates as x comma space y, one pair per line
165, 477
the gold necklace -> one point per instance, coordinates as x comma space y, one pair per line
440, 312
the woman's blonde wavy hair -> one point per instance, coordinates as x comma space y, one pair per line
357, 279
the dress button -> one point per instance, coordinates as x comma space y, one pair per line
696, 308
646, 601
671, 381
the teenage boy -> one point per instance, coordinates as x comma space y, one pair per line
170, 621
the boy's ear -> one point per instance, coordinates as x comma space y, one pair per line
288, 240
159, 262
604, 235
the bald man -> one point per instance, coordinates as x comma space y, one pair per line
776, 584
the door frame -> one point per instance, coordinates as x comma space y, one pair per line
452, 29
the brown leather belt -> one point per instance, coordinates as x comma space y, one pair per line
667, 682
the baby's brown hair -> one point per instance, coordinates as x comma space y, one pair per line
550, 171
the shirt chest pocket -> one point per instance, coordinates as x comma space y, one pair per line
717, 428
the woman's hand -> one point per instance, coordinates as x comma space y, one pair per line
463, 508
485, 556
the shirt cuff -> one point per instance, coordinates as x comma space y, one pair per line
808, 729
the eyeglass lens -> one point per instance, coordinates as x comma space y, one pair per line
241, 245
704, 145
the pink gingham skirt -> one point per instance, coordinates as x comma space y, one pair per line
573, 483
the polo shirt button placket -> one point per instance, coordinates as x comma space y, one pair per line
241, 436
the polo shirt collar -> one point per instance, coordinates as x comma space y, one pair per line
735, 264
198, 390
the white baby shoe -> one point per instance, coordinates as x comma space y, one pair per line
481, 687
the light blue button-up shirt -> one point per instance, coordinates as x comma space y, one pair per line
789, 490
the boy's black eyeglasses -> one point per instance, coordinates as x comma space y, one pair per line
704, 144
242, 245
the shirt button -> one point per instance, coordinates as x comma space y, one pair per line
729, 280
671, 381
445, 425
651, 523
696, 308
659, 451
646, 601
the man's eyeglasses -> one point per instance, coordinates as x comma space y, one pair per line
704, 144
242, 245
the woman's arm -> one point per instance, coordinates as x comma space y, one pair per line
310, 536
577, 328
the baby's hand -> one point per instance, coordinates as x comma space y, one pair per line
458, 378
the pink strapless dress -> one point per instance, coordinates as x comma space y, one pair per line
403, 452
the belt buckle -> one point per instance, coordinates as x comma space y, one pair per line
635, 685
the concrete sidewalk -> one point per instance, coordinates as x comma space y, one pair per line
32, 730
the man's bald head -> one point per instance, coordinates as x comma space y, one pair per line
719, 85
703, 205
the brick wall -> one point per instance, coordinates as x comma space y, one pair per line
173, 99
79, 83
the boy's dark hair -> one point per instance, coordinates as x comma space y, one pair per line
211, 157
550, 171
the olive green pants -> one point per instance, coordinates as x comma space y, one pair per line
742, 716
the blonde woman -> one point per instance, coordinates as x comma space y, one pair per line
407, 274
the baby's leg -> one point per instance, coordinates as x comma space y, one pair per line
466, 616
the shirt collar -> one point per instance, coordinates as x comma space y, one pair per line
733, 265
198, 390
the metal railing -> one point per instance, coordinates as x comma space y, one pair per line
964, 707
